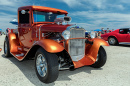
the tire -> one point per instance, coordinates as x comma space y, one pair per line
101, 58
112, 41
6, 48
48, 63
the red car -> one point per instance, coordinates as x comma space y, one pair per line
117, 36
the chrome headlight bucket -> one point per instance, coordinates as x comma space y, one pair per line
92, 34
66, 34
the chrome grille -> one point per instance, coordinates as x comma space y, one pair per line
77, 46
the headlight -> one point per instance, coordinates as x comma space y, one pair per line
66, 34
92, 34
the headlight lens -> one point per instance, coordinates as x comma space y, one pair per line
92, 34
66, 34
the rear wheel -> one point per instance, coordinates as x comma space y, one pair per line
46, 66
112, 41
101, 58
6, 47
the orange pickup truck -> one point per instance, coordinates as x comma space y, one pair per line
53, 42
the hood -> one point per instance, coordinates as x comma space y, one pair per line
52, 27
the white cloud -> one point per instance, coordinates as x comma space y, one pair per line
85, 3
7, 2
101, 19
98, 4
73, 3
9, 12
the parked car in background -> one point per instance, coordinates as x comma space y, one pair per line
117, 36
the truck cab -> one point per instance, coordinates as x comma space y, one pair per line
30, 18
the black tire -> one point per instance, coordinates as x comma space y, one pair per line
7, 49
115, 41
52, 66
101, 58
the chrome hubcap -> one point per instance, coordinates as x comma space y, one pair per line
41, 65
5, 48
112, 41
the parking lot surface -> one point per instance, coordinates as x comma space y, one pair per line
116, 71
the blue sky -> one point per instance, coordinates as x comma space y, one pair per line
90, 14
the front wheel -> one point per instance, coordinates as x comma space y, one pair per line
46, 66
101, 58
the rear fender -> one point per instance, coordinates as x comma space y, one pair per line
13, 42
50, 45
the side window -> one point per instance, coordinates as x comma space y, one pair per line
24, 18
121, 31
124, 31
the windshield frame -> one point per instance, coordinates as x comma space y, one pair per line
44, 12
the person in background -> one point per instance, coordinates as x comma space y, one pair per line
112, 29
107, 30
102, 31
6, 30
98, 35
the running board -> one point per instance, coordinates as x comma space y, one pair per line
22, 54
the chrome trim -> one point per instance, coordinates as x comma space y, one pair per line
40, 30
60, 67
73, 26
80, 54
41, 65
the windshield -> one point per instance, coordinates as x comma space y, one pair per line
45, 16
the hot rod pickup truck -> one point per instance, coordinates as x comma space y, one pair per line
53, 42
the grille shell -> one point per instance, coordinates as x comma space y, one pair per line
77, 46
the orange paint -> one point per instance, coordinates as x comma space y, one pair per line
28, 37
91, 52
50, 45
0, 49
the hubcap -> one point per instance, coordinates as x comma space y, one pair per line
41, 65
5, 48
112, 41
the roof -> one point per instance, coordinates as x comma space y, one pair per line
42, 8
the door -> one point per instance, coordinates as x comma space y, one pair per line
25, 29
128, 37
123, 35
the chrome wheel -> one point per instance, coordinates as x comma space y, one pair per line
112, 41
5, 47
41, 65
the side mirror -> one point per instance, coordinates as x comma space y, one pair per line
67, 19
0, 49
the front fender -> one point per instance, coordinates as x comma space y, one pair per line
92, 50
50, 45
